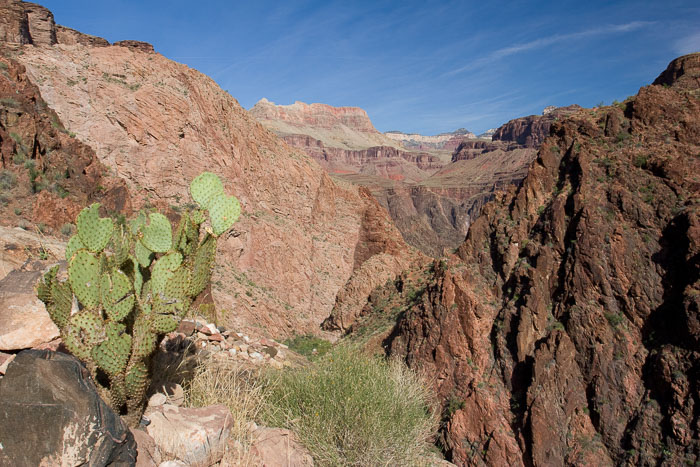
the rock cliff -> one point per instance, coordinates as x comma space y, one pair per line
156, 124
566, 330
531, 131
342, 127
430, 193
447, 141
46, 175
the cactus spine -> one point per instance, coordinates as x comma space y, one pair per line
132, 286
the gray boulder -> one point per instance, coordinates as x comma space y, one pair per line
51, 414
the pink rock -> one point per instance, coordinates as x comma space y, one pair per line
24, 322
5, 359
279, 447
186, 327
147, 454
216, 338
196, 436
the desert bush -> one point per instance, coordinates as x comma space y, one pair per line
8, 180
352, 409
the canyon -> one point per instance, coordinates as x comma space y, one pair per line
544, 276
149, 126
564, 331
425, 182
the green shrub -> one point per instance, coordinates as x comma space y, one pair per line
309, 345
352, 409
8, 180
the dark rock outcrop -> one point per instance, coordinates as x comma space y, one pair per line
51, 414
531, 131
566, 332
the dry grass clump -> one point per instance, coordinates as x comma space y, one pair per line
235, 387
351, 409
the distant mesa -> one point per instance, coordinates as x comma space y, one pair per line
447, 141
343, 127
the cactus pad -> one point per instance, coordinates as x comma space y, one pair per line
94, 231
163, 324
113, 353
198, 217
158, 234
142, 254
61, 303
162, 270
137, 223
121, 246
84, 274
223, 212
74, 244
84, 330
144, 340
43, 288
117, 295
136, 380
205, 188
201, 266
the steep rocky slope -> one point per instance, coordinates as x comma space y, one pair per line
157, 124
46, 174
531, 131
566, 330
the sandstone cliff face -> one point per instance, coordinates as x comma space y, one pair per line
47, 175
447, 141
341, 127
157, 124
566, 331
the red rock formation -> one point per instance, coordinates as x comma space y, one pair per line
47, 174
157, 124
566, 332
531, 131
322, 116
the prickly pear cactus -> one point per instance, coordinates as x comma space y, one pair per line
132, 284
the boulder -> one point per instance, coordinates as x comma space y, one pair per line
196, 436
24, 321
279, 447
51, 414
147, 453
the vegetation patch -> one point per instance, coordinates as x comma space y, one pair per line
309, 346
352, 409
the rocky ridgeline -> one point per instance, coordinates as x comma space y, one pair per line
565, 331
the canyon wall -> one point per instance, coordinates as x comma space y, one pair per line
566, 330
156, 124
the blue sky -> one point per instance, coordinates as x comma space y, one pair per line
414, 66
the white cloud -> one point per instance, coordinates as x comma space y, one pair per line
688, 44
549, 40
